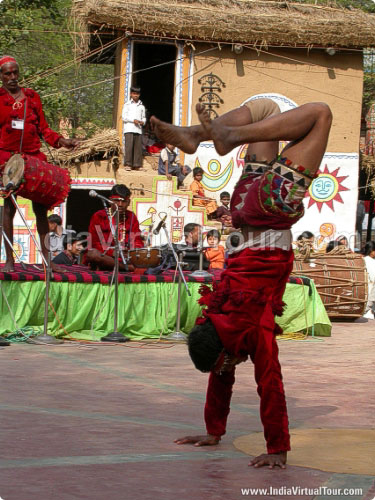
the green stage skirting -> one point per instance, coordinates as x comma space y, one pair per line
146, 310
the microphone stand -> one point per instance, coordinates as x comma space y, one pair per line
200, 273
14, 251
28, 228
45, 338
177, 334
113, 232
115, 336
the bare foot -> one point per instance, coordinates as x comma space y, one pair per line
271, 459
185, 138
8, 267
220, 134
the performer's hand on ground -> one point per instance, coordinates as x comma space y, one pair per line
272, 460
206, 440
68, 143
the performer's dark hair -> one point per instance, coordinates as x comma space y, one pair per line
341, 239
215, 233
55, 219
136, 90
190, 227
204, 346
331, 245
69, 239
368, 248
305, 235
197, 171
224, 194
120, 190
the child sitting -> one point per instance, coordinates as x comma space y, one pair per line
168, 165
223, 213
215, 252
199, 198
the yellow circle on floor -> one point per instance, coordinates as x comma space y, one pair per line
346, 451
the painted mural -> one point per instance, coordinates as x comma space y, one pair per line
167, 201
22, 242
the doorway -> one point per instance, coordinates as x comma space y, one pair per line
157, 83
80, 207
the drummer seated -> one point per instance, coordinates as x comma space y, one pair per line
72, 250
101, 251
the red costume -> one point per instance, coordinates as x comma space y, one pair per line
35, 126
242, 307
52, 184
129, 232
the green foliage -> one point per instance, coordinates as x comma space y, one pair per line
366, 5
36, 33
368, 92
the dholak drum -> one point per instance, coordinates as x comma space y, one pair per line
145, 257
341, 281
37, 180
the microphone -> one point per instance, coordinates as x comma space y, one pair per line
94, 194
160, 225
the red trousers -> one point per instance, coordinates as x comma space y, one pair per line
273, 412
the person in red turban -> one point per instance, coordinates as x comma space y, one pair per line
22, 123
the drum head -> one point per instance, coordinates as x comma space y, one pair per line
13, 171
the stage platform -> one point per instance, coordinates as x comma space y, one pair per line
82, 304
93, 422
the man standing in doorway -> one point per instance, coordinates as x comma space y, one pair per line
134, 118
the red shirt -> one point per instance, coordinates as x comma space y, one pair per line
101, 232
35, 123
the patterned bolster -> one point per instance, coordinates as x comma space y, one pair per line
283, 188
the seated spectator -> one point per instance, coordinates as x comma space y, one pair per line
305, 238
215, 253
343, 240
169, 167
57, 233
369, 256
199, 197
150, 144
189, 250
223, 213
331, 245
193, 235
72, 249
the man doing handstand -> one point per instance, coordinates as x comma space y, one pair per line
238, 321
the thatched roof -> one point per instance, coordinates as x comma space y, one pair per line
266, 22
104, 145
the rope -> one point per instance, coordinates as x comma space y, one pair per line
22, 335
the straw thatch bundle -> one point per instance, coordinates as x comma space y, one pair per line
104, 145
260, 23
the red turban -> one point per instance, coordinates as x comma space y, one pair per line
7, 59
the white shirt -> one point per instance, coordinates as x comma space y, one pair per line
56, 240
164, 155
133, 111
370, 266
